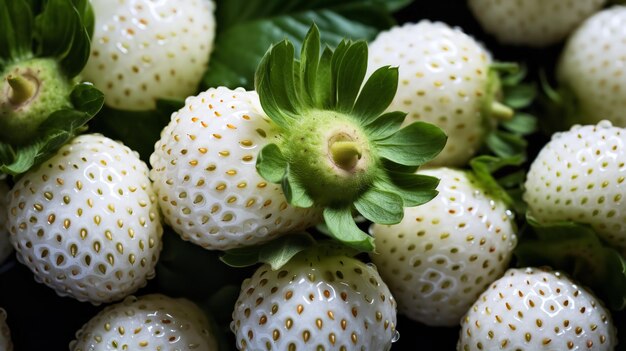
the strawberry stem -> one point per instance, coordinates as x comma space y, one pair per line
22, 89
501, 111
346, 154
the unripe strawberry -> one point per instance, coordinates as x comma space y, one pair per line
143, 50
154, 322
580, 176
86, 221
446, 252
534, 309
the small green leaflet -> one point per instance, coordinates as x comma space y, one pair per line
413, 145
341, 226
276, 253
16, 31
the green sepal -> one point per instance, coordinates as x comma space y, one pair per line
323, 92
276, 253
560, 106
309, 64
413, 145
521, 124
385, 125
415, 189
342, 227
294, 192
60, 33
485, 166
576, 250
505, 144
56, 130
86, 14
16, 23
377, 94
380, 206
519, 96
350, 74
271, 164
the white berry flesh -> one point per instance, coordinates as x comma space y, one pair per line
86, 221
532, 22
444, 253
150, 322
533, 309
443, 76
580, 176
143, 50
203, 169
315, 302
592, 66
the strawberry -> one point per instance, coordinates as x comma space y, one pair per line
535, 309
580, 176
321, 299
444, 253
532, 22
591, 67
444, 76
234, 168
203, 169
5, 333
86, 221
143, 50
5, 245
154, 322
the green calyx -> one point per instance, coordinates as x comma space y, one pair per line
338, 148
43, 47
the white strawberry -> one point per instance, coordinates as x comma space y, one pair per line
154, 322
203, 169
320, 300
444, 253
534, 309
5, 333
5, 245
143, 50
86, 221
580, 176
443, 76
532, 22
592, 67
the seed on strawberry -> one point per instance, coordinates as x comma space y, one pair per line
443, 75
446, 252
320, 300
5, 333
592, 67
154, 322
532, 22
143, 50
203, 169
5, 245
86, 221
534, 309
580, 176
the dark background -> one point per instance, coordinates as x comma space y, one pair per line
40, 320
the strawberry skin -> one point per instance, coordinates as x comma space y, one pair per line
580, 176
443, 75
143, 50
534, 309
205, 176
149, 322
592, 66
86, 221
317, 301
444, 253
532, 22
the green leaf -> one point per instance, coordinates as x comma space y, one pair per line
415, 189
350, 74
484, 166
24, 158
86, 14
276, 253
521, 123
577, 250
506, 145
16, 21
294, 193
86, 98
271, 164
413, 145
309, 63
385, 125
380, 206
237, 53
395, 5
342, 227
377, 94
